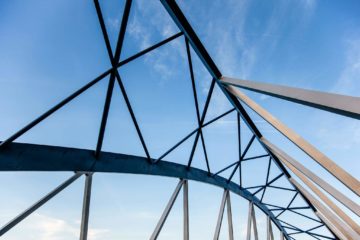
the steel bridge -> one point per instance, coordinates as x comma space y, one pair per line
314, 191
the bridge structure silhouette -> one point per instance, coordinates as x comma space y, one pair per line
314, 191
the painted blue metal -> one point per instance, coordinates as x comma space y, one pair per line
32, 157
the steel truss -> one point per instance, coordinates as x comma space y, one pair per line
30, 157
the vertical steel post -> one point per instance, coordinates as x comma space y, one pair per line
86, 207
269, 231
229, 214
248, 232
254, 223
186, 210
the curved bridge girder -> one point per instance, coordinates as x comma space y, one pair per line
32, 157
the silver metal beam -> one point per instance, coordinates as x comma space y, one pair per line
253, 216
351, 182
229, 215
322, 196
86, 207
220, 216
249, 222
340, 104
186, 209
269, 231
38, 204
301, 170
167, 210
335, 230
324, 211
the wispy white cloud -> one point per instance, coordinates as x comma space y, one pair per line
309, 7
45, 227
53, 228
113, 23
349, 79
150, 21
236, 53
348, 83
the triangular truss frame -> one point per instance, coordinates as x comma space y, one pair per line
30, 157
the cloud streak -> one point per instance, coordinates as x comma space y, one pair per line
43, 227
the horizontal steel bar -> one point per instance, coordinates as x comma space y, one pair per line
282, 188
336, 103
31, 157
256, 157
149, 49
218, 117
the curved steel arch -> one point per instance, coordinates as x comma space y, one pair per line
32, 157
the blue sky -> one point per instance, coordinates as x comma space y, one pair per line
51, 48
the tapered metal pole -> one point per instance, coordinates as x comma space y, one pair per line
86, 207
229, 214
301, 171
269, 232
254, 223
248, 232
220, 217
325, 199
166, 212
348, 180
327, 213
38, 204
340, 104
186, 210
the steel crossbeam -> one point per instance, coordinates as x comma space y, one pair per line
30, 157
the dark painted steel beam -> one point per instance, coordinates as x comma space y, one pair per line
114, 59
242, 156
192, 77
192, 133
207, 102
31, 157
183, 24
81, 90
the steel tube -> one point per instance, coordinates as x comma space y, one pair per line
38, 204
86, 207
167, 210
352, 183
336, 103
